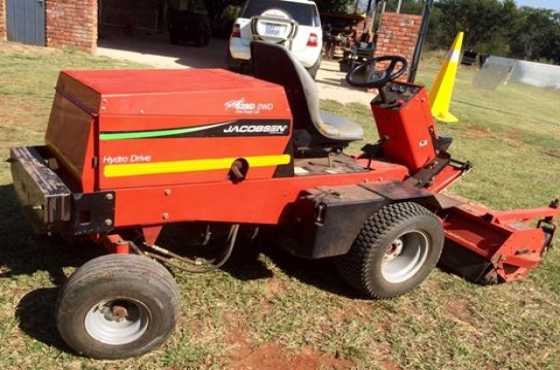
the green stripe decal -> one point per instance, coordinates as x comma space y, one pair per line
154, 134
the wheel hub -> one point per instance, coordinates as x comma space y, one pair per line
117, 321
119, 313
405, 256
394, 250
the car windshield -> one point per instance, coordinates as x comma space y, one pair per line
304, 14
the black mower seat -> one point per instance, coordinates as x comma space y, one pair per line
312, 127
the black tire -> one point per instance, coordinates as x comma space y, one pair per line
202, 39
146, 290
232, 63
174, 38
207, 39
366, 268
313, 70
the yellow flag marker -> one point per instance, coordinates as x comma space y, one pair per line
442, 89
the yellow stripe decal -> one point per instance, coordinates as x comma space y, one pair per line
197, 165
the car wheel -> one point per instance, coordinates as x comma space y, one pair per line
203, 39
117, 306
313, 70
232, 63
173, 37
395, 251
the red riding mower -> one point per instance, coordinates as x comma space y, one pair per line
222, 154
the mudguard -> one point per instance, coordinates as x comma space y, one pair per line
330, 218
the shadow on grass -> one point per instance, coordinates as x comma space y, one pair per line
23, 254
245, 264
36, 315
320, 274
184, 240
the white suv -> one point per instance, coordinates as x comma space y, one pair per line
293, 23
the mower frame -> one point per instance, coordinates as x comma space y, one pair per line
154, 148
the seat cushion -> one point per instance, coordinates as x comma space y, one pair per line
276, 64
340, 128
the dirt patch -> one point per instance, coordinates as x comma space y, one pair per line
272, 356
458, 308
385, 358
459, 312
390, 365
362, 311
512, 137
385, 326
265, 307
245, 355
240, 344
273, 288
477, 132
431, 285
196, 326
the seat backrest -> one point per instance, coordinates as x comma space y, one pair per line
275, 63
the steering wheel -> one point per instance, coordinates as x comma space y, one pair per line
365, 74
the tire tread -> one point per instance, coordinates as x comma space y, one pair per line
353, 267
132, 267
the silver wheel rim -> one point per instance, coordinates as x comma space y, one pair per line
405, 256
117, 321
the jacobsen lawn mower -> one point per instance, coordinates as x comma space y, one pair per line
221, 155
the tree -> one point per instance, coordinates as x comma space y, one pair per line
486, 23
335, 6
497, 27
537, 35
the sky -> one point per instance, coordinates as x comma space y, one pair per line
550, 4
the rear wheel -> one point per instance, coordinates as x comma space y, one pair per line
203, 36
174, 38
232, 64
395, 251
313, 70
117, 306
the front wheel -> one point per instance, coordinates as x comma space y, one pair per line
117, 306
395, 251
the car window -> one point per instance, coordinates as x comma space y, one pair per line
304, 14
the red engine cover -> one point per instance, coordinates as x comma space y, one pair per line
164, 127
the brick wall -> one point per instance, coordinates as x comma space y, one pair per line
398, 35
3, 20
72, 23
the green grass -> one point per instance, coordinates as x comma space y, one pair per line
279, 312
